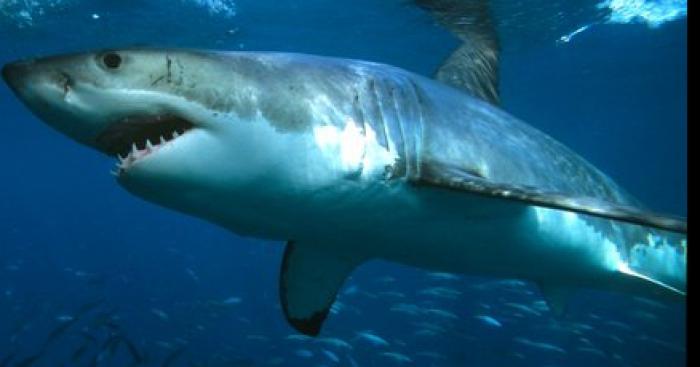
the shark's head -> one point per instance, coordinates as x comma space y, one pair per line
188, 128
231, 137
150, 109
110, 100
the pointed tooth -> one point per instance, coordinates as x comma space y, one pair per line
121, 159
148, 144
175, 134
114, 173
134, 149
162, 140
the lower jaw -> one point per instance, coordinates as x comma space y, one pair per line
138, 156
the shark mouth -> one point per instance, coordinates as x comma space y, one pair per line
135, 137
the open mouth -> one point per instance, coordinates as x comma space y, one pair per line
135, 137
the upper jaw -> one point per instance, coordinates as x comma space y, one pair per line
133, 138
141, 132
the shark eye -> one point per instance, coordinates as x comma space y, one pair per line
112, 60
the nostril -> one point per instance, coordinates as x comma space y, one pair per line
66, 81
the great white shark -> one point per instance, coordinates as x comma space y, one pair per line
348, 161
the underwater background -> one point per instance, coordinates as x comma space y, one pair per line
93, 276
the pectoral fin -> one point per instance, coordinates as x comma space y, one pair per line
309, 281
452, 178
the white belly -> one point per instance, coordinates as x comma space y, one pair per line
471, 235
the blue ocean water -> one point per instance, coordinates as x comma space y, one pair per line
93, 276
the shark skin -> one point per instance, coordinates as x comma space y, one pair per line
349, 161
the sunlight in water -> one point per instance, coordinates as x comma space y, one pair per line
222, 7
24, 12
651, 12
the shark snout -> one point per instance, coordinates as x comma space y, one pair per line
16, 72
44, 86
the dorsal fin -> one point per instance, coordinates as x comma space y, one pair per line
473, 66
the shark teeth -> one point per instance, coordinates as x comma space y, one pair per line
125, 162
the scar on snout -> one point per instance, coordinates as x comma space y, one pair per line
169, 66
157, 80
67, 82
